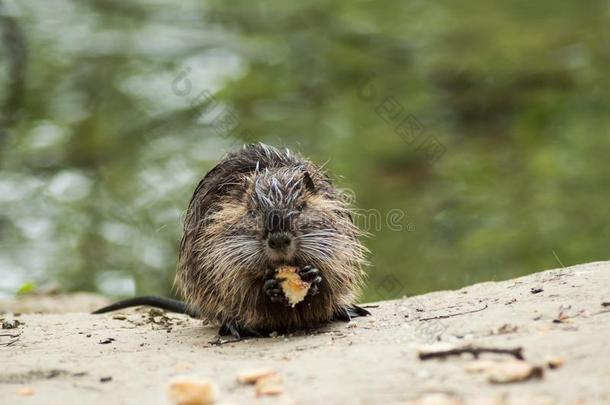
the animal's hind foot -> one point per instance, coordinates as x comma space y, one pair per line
345, 314
238, 331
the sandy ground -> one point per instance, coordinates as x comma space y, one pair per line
128, 357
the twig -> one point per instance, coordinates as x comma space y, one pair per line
9, 343
452, 315
475, 351
10, 335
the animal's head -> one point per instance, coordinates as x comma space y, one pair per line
283, 206
281, 215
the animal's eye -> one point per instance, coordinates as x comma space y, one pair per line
301, 206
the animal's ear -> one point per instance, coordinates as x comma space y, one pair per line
308, 182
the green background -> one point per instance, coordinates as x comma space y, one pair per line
107, 124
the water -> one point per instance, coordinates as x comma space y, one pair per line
473, 137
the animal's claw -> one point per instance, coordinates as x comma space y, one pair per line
273, 290
311, 275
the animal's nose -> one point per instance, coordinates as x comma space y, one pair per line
279, 240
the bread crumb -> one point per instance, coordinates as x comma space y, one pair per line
251, 376
184, 390
294, 288
25, 391
269, 385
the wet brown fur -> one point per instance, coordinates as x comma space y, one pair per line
222, 259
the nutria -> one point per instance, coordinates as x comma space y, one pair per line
259, 209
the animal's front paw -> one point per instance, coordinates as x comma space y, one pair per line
273, 288
313, 276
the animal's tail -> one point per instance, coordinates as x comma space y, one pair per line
168, 304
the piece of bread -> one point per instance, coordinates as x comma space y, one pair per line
191, 391
294, 288
251, 376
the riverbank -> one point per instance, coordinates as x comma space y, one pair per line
559, 318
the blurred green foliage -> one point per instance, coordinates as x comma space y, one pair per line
108, 123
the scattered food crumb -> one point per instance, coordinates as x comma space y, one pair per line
536, 290
478, 366
435, 348
183, 366
25, 391
505, 329
106, 341
502, 372
555, 362
562, 318
267, 380
105, 379
436, 399
269, 385
185, 390
516, 371
119, 317
251, 376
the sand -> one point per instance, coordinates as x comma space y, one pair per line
128, 357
